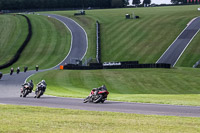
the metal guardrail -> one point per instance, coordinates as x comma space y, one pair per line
98, 43
196, 64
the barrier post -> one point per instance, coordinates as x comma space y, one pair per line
61, 67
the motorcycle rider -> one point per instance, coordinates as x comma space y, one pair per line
96, 90
1, 75
11, 71
18, 70
30, 84
41, 82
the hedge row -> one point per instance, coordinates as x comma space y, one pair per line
98, 55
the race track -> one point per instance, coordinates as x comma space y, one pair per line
176, 49
10, 88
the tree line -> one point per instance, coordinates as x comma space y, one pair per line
137, 2
185, 1
43, 4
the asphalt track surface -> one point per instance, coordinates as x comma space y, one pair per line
79, 41
10, 90
176, 49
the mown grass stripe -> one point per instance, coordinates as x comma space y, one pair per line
164, 25
168, 86
49, 45
15, 30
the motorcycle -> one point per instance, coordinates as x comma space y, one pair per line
97, 96
25, 90
18, 71
11, 72
40, 90
1, 75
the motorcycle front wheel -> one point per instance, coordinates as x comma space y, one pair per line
39, 94
25, 93
98, 99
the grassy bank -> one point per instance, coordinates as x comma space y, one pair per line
48, 46
144, 39
39, 119
178, 86
14, 30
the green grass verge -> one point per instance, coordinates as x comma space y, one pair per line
14, 30
179, 86
49, 45
22, 119
145, 39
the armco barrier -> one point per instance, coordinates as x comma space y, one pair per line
129, 62
98, 43
17, 55
125, 66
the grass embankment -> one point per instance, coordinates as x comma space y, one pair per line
48, 46
39, 119
179, 86
14, 30
144, 39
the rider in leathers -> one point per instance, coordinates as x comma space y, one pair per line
30, 84
42, 82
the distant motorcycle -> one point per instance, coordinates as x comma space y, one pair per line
1, 75
40, 90
11, 71
18, 70
97, 95
25, 90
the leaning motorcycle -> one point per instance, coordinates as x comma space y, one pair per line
40, 90
25, 90
100, 96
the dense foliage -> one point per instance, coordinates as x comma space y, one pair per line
136, 2
42, 4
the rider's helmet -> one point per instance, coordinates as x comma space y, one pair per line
43, 81
31, 81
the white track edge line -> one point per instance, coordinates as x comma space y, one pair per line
186, 47
176, 39
82, 29
71, 43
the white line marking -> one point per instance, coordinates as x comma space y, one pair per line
175, 41
70, 47
186, 47
82, 29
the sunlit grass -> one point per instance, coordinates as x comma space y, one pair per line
178, 86
22, 119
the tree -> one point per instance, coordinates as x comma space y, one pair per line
117, 3
136, 2
147, 2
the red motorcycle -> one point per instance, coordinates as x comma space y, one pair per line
25, 90
97, 95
